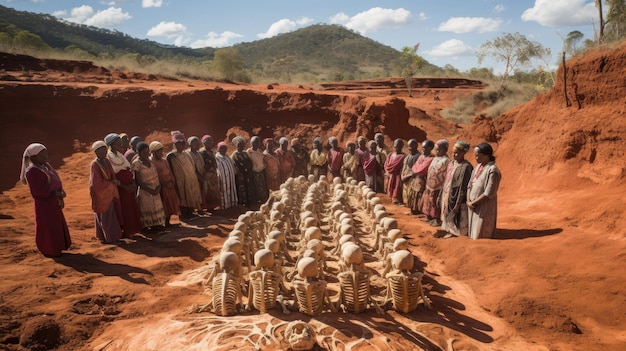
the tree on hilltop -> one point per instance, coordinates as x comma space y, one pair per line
410, 63
514, 50
228, 62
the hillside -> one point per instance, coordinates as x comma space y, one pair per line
317, 51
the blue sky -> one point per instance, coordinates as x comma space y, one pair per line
449, 31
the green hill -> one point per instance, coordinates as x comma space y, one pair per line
315, 53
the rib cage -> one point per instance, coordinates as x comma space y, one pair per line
356, 290
265, 289
225, 294
406, 291
310, 296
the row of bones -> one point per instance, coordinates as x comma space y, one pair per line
299, 208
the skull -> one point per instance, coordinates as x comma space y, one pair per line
300, 335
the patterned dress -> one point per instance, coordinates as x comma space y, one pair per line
226, 177
150, 206
453, 195
169, 195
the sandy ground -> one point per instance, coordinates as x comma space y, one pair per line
552, 279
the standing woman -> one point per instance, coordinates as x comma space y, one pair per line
226, 176
51, 233
350, 161
317, 160
417, 185
363, 153
285, 159
184, 172
393, 169
149, 195
243, 173
127, 187
454, 192
272, 165
373, 168
482, 197
198, 162
259, 185
434, 182
105, 197
169, 196
334, 159
211, 185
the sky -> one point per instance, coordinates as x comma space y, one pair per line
448, 31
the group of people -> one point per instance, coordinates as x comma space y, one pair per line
137, 187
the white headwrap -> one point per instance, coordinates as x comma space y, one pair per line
32, 150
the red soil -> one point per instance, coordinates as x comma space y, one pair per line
552, 279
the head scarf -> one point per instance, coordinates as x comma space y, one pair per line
177, 136
123, 135
316, 141
358, 140
295, 141
267, 140
377, 135
443, 143
372, 143
205, 137
283, 140
331, 139
238, 139
220, 144
98, 144
155, 146
32, 150
135, 140
111, 138
191, 139
254, 139
462, 146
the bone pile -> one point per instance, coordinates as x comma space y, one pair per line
307, 234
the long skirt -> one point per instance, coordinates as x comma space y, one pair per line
414, 192
259, 187
108, 228
151, 209
212, 191
430, 206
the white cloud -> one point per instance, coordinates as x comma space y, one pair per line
216, 40
561, 12
451, 48
422, 16
80, 14
113, 2
499, 8
85, 14
151, 3
108, 18
283, 26
170, 30
373, 19
60, 14
462, 25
